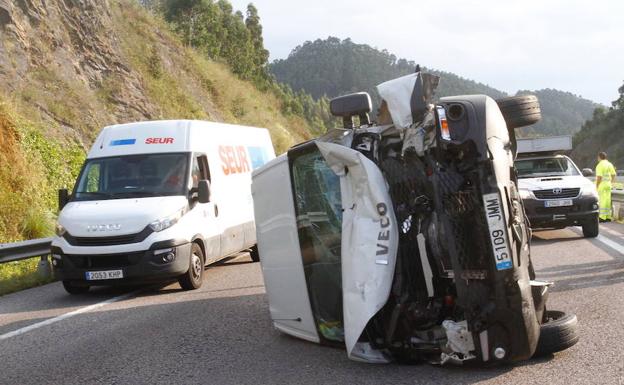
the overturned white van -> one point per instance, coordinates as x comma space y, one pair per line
159, 200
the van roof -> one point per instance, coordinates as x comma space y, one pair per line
167, 136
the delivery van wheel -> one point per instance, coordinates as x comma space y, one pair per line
72, 288
558, 332
591, 228
192, 279
254, 254
520, 111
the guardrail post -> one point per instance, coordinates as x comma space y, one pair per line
43, 268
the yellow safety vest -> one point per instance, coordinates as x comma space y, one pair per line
605, 169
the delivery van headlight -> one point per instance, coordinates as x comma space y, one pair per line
167, 222
59, 230
525, 193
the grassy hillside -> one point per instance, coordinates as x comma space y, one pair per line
69, 68
89, 64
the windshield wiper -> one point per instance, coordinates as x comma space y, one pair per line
96, 193
136, 194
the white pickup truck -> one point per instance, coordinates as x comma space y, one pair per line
554, 191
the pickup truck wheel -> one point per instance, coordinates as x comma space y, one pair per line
591, 228
74, 289
192, 279
254, 254
558, 332
520, 111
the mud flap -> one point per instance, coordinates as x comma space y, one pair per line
369, 242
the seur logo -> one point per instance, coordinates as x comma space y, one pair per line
159, 141
234, 159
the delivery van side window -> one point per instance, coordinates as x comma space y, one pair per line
199, 170
318, 207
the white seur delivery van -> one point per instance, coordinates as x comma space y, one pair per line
158, 200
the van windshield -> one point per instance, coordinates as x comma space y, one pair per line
131, 176
544, 167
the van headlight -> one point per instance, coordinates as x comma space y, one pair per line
525, 193
59, 230
167, 222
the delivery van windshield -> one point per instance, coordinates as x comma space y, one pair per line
133, 176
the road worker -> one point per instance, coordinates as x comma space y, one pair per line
605, 175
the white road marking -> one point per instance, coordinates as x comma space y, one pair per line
609, 243
610, 231
604, 240
61, 317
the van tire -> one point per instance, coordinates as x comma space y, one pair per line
591, 227
254, 254
520, 111
74, 289
193, 278
558, 332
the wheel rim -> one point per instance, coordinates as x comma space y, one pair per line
196, 266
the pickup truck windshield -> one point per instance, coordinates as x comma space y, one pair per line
133, 176
545, 167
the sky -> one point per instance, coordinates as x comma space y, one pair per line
570, 45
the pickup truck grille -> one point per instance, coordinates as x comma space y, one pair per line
557, 194
108, 241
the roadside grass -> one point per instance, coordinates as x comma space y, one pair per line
184, 84
20, 275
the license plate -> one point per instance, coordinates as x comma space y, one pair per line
558, 203
498, 231
106, 274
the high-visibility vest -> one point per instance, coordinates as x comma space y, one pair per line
605, 169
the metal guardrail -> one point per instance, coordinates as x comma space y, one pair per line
617, 199
18, 251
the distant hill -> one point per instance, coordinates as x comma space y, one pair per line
334, 67
563, 113
603, 132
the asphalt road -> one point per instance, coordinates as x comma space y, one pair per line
222, 334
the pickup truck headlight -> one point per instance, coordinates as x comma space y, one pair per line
59, 230
167, 222
525, 193
589, 191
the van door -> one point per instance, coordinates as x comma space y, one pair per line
205, 215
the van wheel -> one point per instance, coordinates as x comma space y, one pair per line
558, 332
192, 279
591, 228
520, 111
74, 289
254, 254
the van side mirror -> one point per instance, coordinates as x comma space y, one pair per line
63, 198
587, 172
203, 191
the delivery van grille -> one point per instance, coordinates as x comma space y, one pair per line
105, 261
108, 241
557, 193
